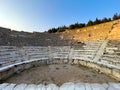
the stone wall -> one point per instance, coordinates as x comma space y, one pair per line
100, 67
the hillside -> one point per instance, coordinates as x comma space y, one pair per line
109, 30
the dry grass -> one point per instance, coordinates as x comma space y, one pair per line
108, 30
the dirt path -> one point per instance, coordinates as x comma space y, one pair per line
59, 74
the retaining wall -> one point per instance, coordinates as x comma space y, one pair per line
108, 69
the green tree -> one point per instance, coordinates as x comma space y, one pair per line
104, 20
90, 23
97, 21
72, 26
116, 16
53, 30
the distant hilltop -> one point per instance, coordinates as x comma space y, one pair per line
81, 25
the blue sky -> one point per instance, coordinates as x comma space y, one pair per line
40, 15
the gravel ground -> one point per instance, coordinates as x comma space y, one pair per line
59, 74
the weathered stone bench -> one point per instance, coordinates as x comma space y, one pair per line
9, 70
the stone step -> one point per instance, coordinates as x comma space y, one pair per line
111, 62
76, 55
37, 55
91, 48
110, 59
40, 58
65, 86
81, 58
83, 54
111, 56
60, 52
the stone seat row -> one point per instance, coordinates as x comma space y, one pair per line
111, 56
84, 50
89, 56
84, 53
111, 62
20, 63
116, 59
28, 53
93, 45
7, 47
20, 59
12, 60
64, 48
36, 51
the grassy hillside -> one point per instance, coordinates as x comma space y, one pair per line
109, 30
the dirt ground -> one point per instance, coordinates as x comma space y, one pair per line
59, 74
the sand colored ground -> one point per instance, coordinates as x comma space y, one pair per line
59, 74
